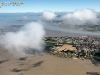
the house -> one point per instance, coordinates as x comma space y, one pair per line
66, 47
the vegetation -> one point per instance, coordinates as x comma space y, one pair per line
50, 44
97, 58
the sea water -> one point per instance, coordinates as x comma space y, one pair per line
9, 19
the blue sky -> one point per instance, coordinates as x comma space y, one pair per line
52, 5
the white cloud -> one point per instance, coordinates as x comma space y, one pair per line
48, 15
29, 37
24, 17
81, 17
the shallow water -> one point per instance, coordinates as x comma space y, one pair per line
71, 30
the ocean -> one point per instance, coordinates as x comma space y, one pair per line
18, 19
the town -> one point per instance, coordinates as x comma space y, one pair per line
84, 47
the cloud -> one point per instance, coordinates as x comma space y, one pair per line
24, 17
80, 17
30, 37
48, 15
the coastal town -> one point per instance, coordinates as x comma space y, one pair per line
85, 47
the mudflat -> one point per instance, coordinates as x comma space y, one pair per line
45, 65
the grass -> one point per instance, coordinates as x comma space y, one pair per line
97, 58
49, 44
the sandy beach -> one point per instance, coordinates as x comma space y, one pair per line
45, 65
